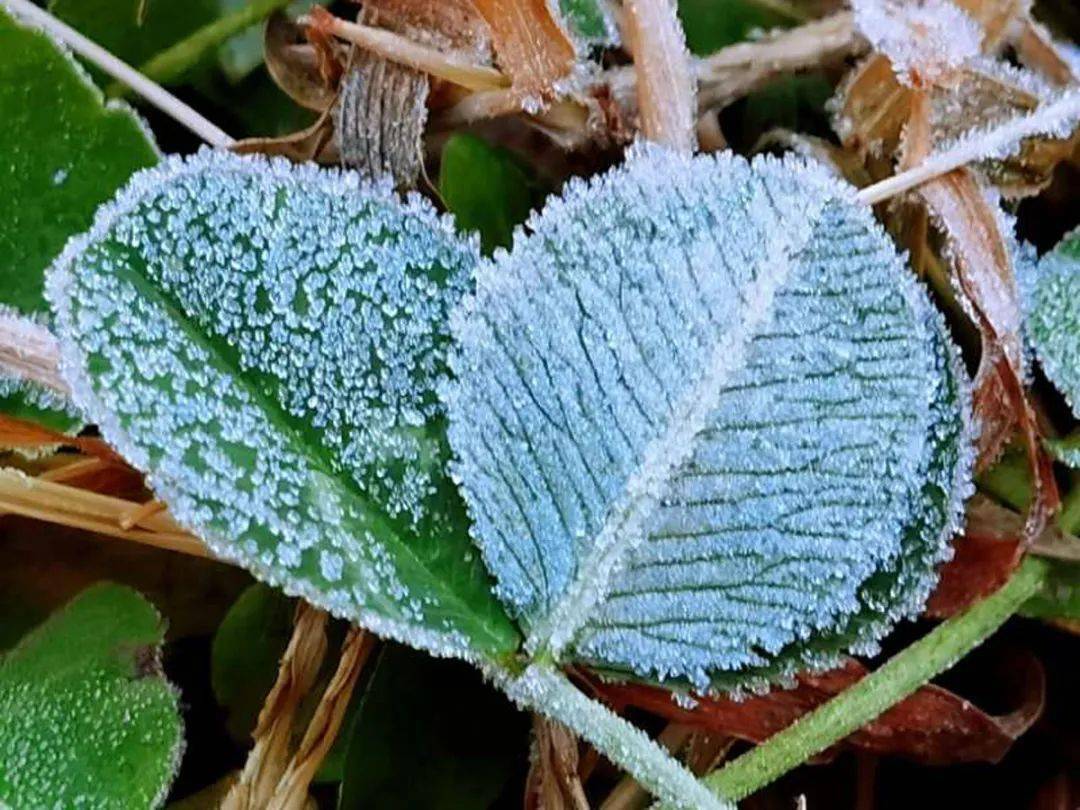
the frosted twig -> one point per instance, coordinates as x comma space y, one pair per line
1052, 119
154, 93
29, 352
396, 48
665, 81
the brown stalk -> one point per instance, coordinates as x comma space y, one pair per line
28, 351
269, 758
665, 80
292, 789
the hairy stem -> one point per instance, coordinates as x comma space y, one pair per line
172, 62
153, 93
544, 689
896, 679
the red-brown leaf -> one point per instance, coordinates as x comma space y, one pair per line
932, 726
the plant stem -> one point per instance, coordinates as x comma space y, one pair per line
172, 62
874, 694
544, 689
94, 53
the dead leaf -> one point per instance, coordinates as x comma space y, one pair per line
553, 782
531, 46
933, 726
24, 435
446, 24
984, 556
316, 143
1037, 49
995, 17
297, 66
982, 265
871, 107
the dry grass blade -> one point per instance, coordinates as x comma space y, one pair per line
54, 502
405, 51
269, 758
292, 789
531, 47
665, 82
1037, 49
18, 433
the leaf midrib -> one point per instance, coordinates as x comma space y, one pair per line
318, 456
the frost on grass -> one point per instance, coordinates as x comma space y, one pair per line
707, 427
926, 40
86, 719
1051, 298
265, 341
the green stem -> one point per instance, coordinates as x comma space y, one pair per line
888, 685
172, 62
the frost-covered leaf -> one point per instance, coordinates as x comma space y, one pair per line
59, 160
1051, 294
264, 340
86, 719
707, 426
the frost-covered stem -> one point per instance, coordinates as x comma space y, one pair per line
1052, 118
153, 93
544, 689
665, 81
172, 62
30, 352
896, 679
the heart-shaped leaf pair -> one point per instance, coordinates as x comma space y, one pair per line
708, 428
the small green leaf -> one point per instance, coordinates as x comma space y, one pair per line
265, 341
486, 189
1059, 596
430, 733
245, 653
86, 719
1051, 296
713, 24
590, 20
62, 153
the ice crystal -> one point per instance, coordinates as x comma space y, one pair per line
925, 40
1051, 296
706, 425
265, 341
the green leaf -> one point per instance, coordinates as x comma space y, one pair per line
1059, 596
709, 429
713, 24
245, 653
135, 30
86, 719
1051, 296
486, 189
60, 159
265, 340
590, 20
430, 733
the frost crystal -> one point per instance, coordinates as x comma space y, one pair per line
1051, 296
265, 341
707, 426
925, 40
